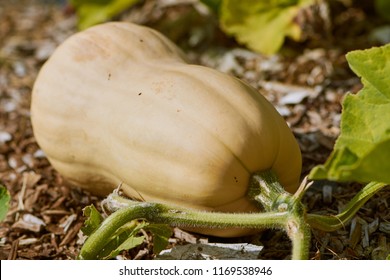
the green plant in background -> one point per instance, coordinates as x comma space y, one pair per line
260, 25
91, 12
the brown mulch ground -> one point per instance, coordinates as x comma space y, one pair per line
306, 82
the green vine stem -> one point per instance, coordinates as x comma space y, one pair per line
332, 223
282, 211
174, 216
265, 188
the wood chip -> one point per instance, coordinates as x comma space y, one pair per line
30, 223
14, 250
71, 234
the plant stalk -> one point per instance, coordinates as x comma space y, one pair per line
282, 211
332, 223
174, 216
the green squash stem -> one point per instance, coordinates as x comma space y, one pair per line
283, 211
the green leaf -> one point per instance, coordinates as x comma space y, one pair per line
262, 25
129, 243
91, 12
161, 234
4, 202
362, 151
93, 221
125, 238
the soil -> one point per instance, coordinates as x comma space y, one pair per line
306, 81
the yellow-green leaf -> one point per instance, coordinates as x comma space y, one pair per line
362, 151
91, 12
262, 25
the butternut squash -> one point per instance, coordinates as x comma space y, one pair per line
118, 103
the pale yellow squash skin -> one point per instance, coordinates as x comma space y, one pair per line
118, 103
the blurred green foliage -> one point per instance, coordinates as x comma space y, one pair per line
261, 26
383, 8
91, 12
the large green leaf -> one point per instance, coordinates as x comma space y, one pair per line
91, 12
261, 25
362, 151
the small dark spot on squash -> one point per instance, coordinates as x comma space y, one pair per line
109, 76
235, 179
141, 40
140, 93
